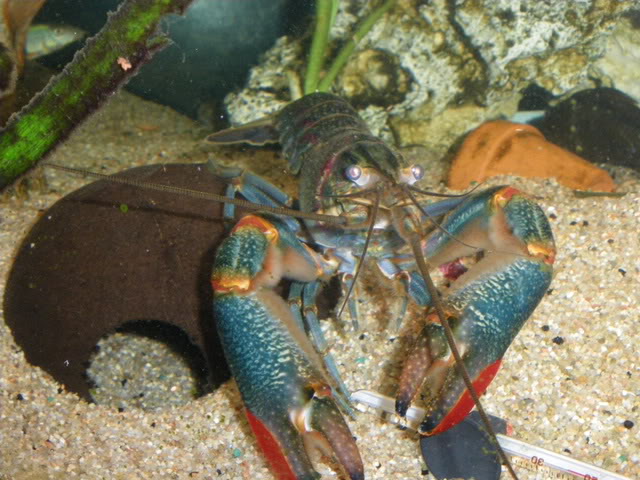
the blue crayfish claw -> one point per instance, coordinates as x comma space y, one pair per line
281, 377
289, 402
431, 365
293, 443
486, 306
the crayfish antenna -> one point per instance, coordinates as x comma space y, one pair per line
415, 189
331, 219
372, 222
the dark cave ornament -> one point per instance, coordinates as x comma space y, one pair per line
109, 256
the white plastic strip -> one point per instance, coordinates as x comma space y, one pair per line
535, 458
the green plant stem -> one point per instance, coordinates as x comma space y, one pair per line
324, 9
107, 61
347, 50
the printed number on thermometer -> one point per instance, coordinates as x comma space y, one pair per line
537, 464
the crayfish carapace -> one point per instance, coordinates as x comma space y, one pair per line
290, 393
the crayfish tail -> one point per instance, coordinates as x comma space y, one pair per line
259, 132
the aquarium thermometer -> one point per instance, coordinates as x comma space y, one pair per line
529, 457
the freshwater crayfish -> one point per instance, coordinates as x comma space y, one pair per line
495, 246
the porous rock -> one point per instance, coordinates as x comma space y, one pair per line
620, 65
455, 55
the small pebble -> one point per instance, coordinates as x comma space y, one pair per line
558, 340
628, 424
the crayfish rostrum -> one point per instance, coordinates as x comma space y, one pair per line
290, 386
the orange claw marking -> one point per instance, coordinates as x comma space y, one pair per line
502, 148
502, 197
547, 254
253, 221
321, 390
228, 283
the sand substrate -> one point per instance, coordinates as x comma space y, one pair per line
569, 382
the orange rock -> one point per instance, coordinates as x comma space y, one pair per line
506, 148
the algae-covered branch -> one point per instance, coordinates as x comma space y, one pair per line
107, 61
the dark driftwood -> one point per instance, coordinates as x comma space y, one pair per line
107, 61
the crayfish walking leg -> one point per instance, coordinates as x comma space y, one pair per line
288, 398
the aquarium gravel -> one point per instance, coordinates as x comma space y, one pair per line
570, 381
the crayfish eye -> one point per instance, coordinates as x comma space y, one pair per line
412, 174
363, 177
418, 172
353, 173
